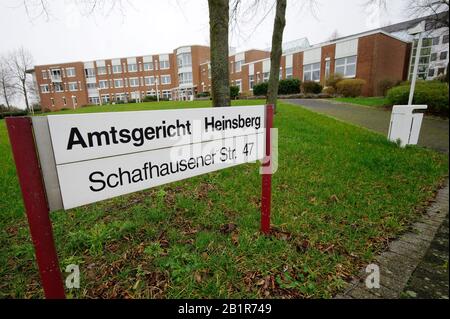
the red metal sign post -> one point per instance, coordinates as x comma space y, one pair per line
266, 196
36, 207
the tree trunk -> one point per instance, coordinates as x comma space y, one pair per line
5, 95
218, 31
277, 51
25, 95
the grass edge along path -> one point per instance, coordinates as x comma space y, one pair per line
340, 193
379, 102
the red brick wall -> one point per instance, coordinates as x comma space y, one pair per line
80, 94
380, 57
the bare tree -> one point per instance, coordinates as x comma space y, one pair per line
19, 62
36, 9
218, 32
276, 52
6, 83
436, 10
335, 35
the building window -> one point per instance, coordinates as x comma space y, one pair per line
148, 66
266, 76
445, 39
433, 57
105, 98
53, 101
64, 101
165, 79
117, 69
167, 95
184, 59
311, 72
132, 67
431, 73
103, 84
58, 87
118, 83
443, 55
120, 97
327, 69
70, 72
94, 100
251, 81
56, 74
90, 73
149, 80
44, 88
238, 66
164, 65
44, 74
424, 59
91, 86
101, 70
436, 40
185, 78
289, 73
441, 71
134, 82
239, 85
73, 86
346, 66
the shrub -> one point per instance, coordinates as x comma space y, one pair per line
289, 86
329, 90
385, 85
120, 102
150, 98
350, 87
260, 89
234, 92
132, 101
13, 113
203, 94
311, 87
333, 80
432, 93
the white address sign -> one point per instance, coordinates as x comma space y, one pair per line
104, 155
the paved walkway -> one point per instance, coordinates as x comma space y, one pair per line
434, 132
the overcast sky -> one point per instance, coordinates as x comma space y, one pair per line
152, 26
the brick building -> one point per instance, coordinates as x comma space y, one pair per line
374, 56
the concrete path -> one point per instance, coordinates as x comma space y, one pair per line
434, 133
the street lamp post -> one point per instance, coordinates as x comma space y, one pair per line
419, 29
157, 91
99, 96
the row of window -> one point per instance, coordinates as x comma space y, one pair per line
105, 84
102, 70
146, 66
107, 98
57, 74
59, 87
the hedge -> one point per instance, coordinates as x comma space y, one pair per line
311, 87
350, 87
285, 87
14, 113
260, 89
432, 93
234, 92
289, 86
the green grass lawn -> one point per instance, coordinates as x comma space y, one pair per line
367, 101
339, 194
